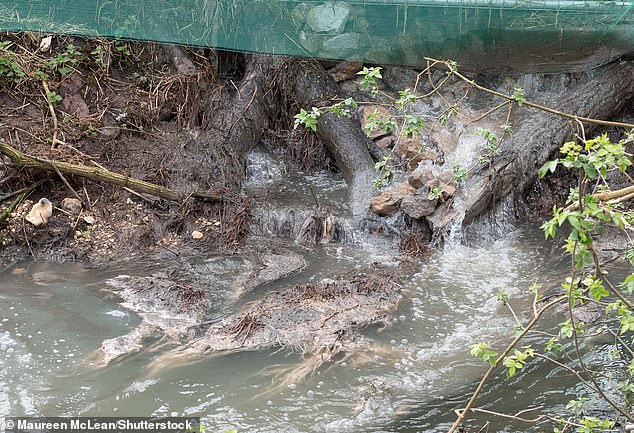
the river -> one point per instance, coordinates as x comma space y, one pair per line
56, 315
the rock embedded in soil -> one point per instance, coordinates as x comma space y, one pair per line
71, 205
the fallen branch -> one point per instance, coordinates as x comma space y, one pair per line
100, 174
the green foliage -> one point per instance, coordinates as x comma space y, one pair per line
628, 284
566, 330
592, 424
517, 360
413, 125
459, 173
406, 97
549, 166
370, 80
444, 118
343, 108
53, 98
595, 157
374, 121
502, 296
484, 352
435, 193
629, 255
386, 172
554, 347
307, 118
90, 131
518, 96
491, 146
10, 70
491, 142
123, 49
592, 160
64, 63
97, 56
39, 75
578, 406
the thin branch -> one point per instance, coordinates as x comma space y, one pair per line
500, 359
492, 110
582, 365
101, 175
51, 109
532, 104
61, 176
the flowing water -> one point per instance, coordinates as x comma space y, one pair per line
55, 316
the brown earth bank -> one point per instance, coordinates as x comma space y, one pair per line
183, 120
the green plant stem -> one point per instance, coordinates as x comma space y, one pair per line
498, 362
600, 274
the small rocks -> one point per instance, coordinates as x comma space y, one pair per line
328, 17
197, 235
389, 202
345, 70
71, 205
385, 142
182, 62
448, 191
418, 205
40, 212
422, 175
414, 150
111, 132
90, 220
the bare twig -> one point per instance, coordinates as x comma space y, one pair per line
61, 176
532, 104
51, 109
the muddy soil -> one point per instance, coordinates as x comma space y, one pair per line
133, 109
186, 119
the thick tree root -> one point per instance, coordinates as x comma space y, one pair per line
599, 93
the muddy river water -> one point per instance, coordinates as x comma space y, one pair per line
53, 317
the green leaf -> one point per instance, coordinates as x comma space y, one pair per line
518, 96
628, 284
484, 352
548, 166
